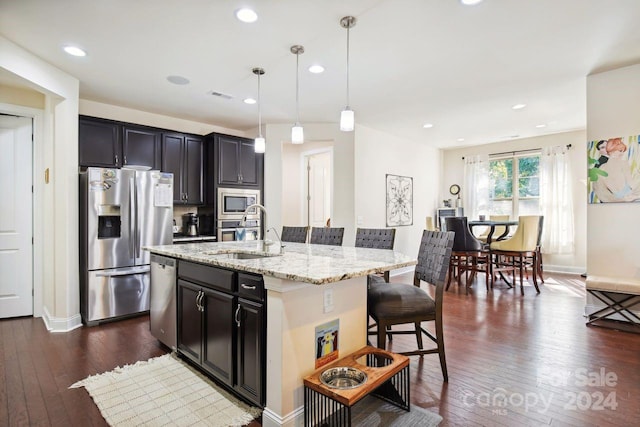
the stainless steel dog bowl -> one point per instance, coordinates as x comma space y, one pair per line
343, 378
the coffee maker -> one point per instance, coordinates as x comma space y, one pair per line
190, 224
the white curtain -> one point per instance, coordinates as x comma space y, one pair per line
476, 186
556, 201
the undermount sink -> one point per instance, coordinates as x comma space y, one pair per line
241, 255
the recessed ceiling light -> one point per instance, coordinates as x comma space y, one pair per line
75, 51
460, 139
427, 125
178, 80
246, 15
519, 106
250, 101
316, 69
470, 2
541, 125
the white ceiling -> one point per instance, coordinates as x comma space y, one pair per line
412, 61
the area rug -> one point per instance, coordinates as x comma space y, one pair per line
371, 411
164, 391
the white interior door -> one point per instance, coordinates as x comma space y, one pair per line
319, 189
16, 230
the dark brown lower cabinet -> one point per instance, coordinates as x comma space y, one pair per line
250, 367
217, 357
222, 326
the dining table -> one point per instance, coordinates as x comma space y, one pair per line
492, 227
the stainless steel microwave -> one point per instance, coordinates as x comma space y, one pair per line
233, 202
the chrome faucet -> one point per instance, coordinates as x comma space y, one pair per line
279, 239
265, 242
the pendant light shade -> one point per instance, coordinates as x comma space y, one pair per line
347, 117
347, 120
260, 144
297, 133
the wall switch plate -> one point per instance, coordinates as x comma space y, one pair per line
328, 300
359, 220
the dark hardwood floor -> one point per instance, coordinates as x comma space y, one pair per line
512, 359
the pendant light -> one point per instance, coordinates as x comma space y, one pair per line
297, 134
260, 144
347, 118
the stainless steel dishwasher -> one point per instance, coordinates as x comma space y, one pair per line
162, 305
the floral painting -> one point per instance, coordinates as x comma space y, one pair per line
614, 170
399, 200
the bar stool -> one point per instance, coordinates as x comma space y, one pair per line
294, 234
327, 236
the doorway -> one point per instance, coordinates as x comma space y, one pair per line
318, 184
16, 216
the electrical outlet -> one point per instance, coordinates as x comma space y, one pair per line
359, 220
328, 300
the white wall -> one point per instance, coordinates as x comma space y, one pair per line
378, 154
343, 174
114, 112
293, 179
453, 173
21, 96
56, 216
613, 110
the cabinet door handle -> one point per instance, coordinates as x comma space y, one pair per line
251, 288
116, 159
125, 159
199, 301
236, 315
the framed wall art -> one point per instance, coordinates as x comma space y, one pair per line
614, 170
399, 200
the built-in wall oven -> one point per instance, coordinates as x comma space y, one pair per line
230, 230
232, 204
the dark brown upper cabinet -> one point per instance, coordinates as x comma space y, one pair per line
99, 143
111, 144
238, 164
141, 147
183, 156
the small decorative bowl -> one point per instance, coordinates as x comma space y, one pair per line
343, 378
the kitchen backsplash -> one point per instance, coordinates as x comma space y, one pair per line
178, 211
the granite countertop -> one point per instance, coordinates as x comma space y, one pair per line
177, 237
315, 264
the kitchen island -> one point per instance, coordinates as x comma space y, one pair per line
306, 287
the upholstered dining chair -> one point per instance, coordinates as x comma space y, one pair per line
469, 255
429, 224
498, 230
294, 234
327, 235
394, 304
512, 254
376, 238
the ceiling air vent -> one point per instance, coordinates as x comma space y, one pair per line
220, 95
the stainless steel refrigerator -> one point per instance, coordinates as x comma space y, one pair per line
121, 210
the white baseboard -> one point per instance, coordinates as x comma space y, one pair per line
292, 419
58, 324
564, 269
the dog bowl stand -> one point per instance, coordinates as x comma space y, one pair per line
387, 378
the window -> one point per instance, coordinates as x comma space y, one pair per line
514, 185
